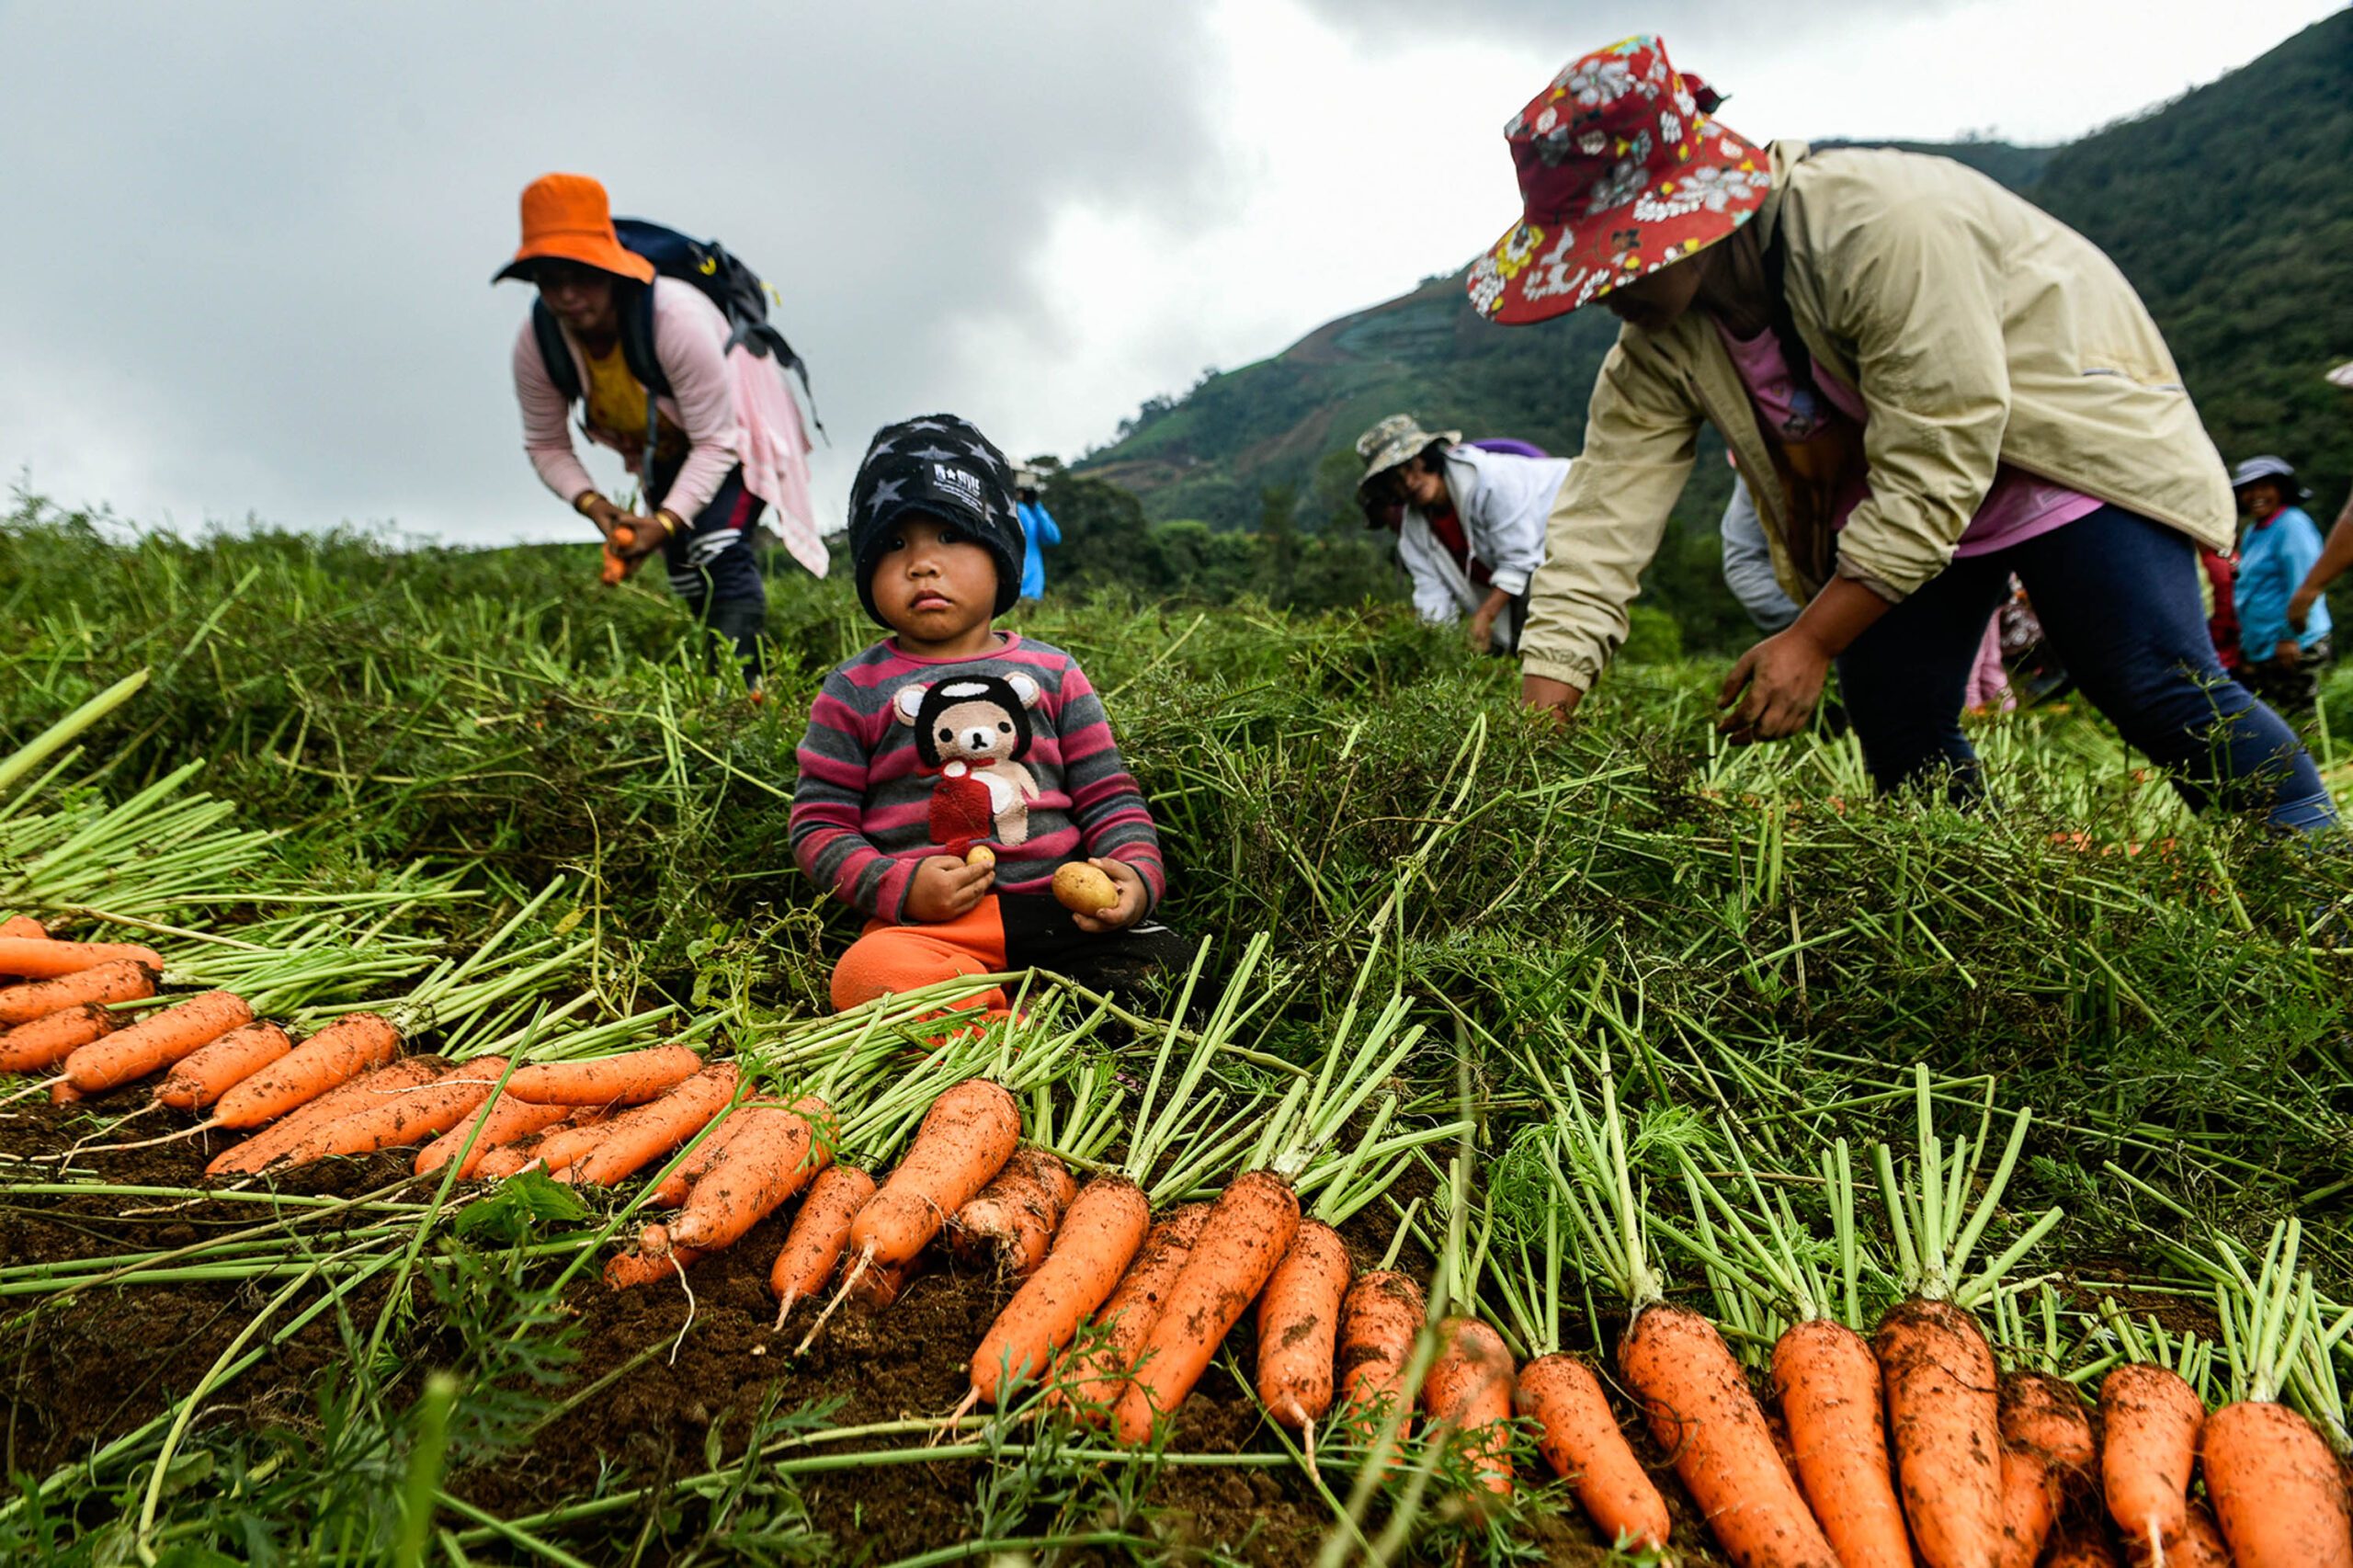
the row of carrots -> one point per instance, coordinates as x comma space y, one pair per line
1907, 1447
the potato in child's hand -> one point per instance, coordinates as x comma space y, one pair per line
980, 855
1083, 889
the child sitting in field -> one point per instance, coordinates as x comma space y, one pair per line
949, 737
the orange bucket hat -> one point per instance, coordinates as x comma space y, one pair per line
569, 217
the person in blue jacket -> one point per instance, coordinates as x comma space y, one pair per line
2280, 546
1038, 529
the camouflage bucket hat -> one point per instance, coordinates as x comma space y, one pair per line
1395, 442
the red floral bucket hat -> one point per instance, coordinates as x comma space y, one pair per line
1621, 171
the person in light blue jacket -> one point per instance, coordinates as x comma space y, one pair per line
2280, 546
1038, 530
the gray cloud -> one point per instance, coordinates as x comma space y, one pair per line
1712, 27
266, 233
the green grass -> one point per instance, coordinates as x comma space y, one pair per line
1748, 941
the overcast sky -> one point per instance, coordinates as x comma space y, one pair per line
248, 246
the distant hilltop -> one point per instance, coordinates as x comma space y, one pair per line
2230, 208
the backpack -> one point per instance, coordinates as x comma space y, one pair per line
712, 268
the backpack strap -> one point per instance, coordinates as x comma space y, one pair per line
637, 341
554, 353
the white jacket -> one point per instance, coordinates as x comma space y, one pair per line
1504, 500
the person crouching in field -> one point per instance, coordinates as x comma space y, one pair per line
1470, 521
1929, 383
688, 445
949, 737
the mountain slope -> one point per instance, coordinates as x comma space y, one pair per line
2231, 208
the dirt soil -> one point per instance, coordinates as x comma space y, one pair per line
74, 1378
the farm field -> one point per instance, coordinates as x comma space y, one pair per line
1537, 1017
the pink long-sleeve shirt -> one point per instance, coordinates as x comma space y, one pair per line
691, 340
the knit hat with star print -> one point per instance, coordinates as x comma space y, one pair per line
940, 466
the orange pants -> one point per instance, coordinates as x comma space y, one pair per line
887, 959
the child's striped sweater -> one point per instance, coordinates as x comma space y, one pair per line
907, 757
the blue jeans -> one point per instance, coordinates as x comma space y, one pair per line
2118, 597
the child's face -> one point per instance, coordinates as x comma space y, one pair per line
935, 586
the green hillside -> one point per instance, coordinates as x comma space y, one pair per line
2235, 219
2231, 211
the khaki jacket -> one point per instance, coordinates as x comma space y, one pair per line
1978, 329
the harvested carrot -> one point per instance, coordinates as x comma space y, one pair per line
2046, 1452
506, 1160
1379, 1318
881, 1285
2276, 1488
501, 1126
1250, 1227
1828, 1388
415, 1116
774, 1152
819, 1234
1701, 1412
613, 569
106, 986
62, 1091
706, 1154
633, 1077
1469, 1388
334, 1055
24, 926
964, 1140
2149, 1423
211, 1071
346, 1099
1012, 1222
1944, 1424
1299, 1319
565, 1144
1104, 1225
1093, 1381
655, 1259
156, 1041
644, 1134
49, 1040
41, 957
2200, 1546
1578, 1433
701, 1158
1781, 1430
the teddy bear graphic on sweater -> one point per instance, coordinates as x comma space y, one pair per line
972, 731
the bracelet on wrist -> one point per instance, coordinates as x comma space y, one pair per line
671, 522
584, 500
